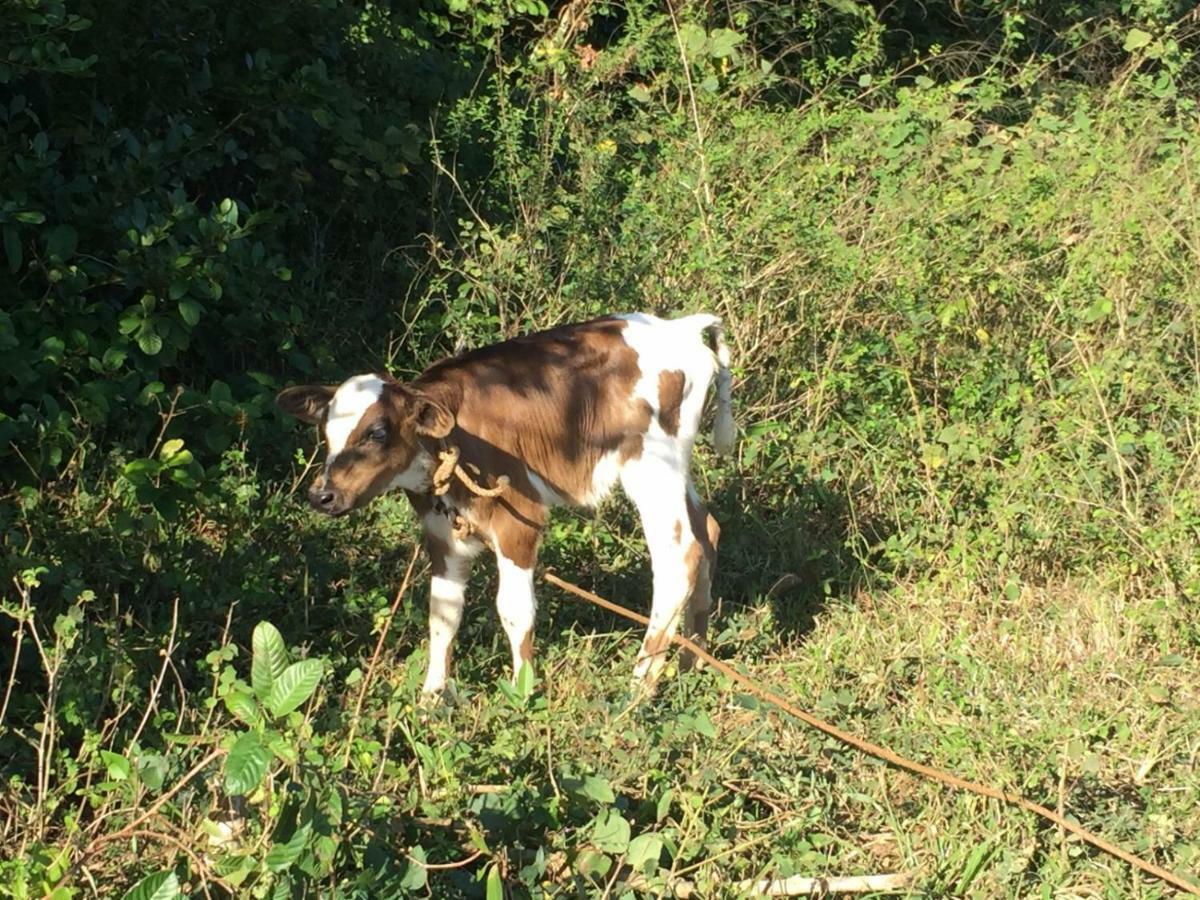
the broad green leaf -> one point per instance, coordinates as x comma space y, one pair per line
700, 723
643, 849
664, 805
282, 855
639, 93
190, 311
495, 886
723, 41
598, 789
118, 766
846, 7
693, 37
593, 864
280, 747
159, 886
182, 458
152, 770
269, 659
30, 217
241, 703
130, 321
141, 468
416, 875
295, 685
246, 764
114, 358
610, 832
149, 341
1136, 39
170, 448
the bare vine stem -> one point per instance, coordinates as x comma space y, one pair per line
383, 632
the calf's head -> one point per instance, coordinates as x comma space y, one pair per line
373, 438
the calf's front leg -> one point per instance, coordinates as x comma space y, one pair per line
517, 606
447, 593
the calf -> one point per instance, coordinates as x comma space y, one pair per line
486, 443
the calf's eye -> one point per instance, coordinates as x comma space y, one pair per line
377, 435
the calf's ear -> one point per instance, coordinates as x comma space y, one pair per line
306, 402
431, 418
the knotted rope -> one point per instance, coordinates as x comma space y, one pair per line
447, 469
448, 465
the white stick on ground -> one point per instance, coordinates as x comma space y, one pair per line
800, 885
795, 886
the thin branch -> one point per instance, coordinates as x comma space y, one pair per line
387, 624
133, 826
156, 687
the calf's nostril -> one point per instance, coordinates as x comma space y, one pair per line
322, 498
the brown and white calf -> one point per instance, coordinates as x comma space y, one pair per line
548, 419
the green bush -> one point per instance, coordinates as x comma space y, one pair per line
179, 200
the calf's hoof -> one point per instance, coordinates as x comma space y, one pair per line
437, 697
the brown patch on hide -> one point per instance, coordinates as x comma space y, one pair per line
670, 399
551, 403
527, 647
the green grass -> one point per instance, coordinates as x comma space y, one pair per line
1079, 694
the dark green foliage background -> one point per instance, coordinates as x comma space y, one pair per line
955, 244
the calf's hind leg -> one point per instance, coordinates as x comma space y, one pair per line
707, 533
660, 491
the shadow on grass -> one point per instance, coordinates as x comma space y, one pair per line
793, 556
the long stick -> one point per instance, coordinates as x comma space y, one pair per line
887, 755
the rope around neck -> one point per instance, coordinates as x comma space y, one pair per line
448, 466
447, 469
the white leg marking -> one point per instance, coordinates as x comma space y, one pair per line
446, 598
517, 606
657, 486
604, 478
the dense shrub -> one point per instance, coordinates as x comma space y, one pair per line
184, 184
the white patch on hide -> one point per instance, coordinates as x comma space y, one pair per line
350, 401
417, 477
604, 478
